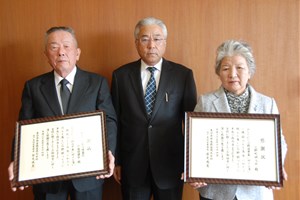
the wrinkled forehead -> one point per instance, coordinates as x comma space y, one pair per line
150, 31
234, 59
60, 37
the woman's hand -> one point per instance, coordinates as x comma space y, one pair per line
197, 185
285, 177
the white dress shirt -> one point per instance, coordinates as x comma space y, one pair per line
145, 74
58, 78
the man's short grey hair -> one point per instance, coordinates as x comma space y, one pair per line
150, 21
60, 28
232, 48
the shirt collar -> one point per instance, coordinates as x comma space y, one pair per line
157, 66
238, 103
70, 77
244, 95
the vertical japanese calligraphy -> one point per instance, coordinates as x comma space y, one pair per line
61, 147
232, 149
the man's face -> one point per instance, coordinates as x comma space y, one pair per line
62, 52
151, 44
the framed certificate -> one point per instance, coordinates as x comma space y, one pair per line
60, 148
227, 148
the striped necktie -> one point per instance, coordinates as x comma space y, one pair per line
150, 92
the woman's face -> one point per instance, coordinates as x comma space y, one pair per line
234, 74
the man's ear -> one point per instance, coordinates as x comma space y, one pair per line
78, 54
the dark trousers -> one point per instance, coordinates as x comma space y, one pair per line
149, 189
68, 190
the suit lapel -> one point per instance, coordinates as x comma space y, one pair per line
165, 79
136, 82
78, 90
254, 106
220, 103
48, 90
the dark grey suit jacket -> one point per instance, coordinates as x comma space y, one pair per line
156, 143
90, 92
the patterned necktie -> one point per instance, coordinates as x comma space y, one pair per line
64, 94
150, 92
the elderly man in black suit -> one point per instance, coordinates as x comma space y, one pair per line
89, 92
151, 96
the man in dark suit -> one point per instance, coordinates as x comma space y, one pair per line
150, 143
89, 92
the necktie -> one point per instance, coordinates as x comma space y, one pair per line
150, 92
64, 94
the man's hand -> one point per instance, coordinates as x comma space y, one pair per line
111, 166
117, 174
11, 177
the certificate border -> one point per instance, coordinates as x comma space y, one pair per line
208, 115
17, 183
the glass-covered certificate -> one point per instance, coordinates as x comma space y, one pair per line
60, 148
227, 148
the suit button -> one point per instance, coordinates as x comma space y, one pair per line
150, 126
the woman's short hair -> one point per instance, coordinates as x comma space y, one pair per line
150, 21
232, 48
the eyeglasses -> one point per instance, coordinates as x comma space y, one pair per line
145, 41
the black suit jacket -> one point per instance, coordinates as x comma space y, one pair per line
90, 92
156, 143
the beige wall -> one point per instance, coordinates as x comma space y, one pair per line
196, 27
